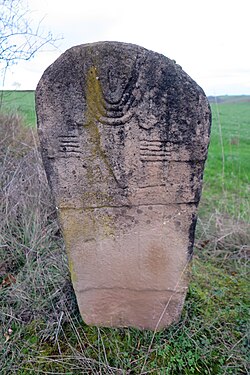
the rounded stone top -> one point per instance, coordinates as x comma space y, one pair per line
119, 108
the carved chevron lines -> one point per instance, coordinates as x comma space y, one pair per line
103, 110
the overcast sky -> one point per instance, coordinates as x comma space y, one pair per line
210, 39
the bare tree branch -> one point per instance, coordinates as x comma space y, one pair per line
18, 39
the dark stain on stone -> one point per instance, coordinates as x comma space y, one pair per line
191, 234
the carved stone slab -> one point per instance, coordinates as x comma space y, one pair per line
124, 134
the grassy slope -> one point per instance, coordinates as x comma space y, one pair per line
48, 334
22, 102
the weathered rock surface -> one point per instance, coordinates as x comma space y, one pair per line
124, 134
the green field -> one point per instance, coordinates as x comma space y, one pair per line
22, 102
42, 331
228, 166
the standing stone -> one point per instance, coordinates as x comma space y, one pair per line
124, 135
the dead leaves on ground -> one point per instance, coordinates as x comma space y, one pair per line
7, 281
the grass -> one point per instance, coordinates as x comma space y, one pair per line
22, 102
231, 133
41, 329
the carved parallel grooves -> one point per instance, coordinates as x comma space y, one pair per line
70, 150
73, 141
156, 143
68, 136
154, 150
126, 94
152, 141
160, 160
69, 146
117, 112
159, 155
70, 156
151, 186
116, 121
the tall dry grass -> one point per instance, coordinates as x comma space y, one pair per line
33, 268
